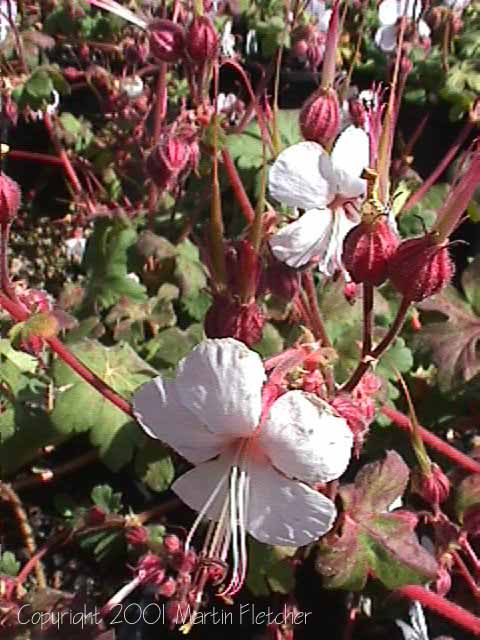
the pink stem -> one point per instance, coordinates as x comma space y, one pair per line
442, 165
238, 187
433, 441
62, 154
158, 118
43, 158
442, 607
467, 576
64, 354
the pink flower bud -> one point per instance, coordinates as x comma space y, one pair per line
358, 112
300, 49
420, 268
136, 536
228, 318
95, 516
320, 117
443, 582
171, 543
150, 569
433, 488
167, 588
367, 249
184, 562
350, 292
10, 196
202, 41
167, 40
281, 280
168, 161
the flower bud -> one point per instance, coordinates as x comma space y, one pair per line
150, 569
367, 249
443, 582
95, 516
228, 318
202, 41
420, 268
320, 117
432, 487
167, 40
357, 112
136, 536
171, 543
10, 196
282, 280
350, 292
167, 588
167, 161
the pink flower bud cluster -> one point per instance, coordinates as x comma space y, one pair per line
197, 44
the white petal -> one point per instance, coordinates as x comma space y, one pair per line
386, 38
295, 178
331, 261
423, 29
300, 241
285, 512
197, 485
324, 22
220, 381
157, 407
305, 440
390, 11
351, 155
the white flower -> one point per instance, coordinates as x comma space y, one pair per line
306, 176
51, 108
253, 465
132, 87
418, 629
8, 9
457, 5
389, 13
75, 248
251, 43
227, 41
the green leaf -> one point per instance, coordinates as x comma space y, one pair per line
106, 263
9, 565
372, 540
471, 284
155, 467
171, 345
270, 569
423, 214
189, 270
80, 408
271, 342
398, 357
103, 496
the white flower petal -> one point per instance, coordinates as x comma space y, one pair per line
295, 177
386, 38
351, 155
221, 381
423, 29
285, 512
390, 11
157, 407
197, 485
331, 261
300, 241
305, 440
324, 22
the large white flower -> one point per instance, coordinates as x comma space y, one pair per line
8, 11
254, 465
306, 176
389, 13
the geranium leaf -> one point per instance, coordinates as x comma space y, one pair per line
372, 540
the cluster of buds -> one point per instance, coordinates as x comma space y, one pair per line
308, 45
172, 159
197, 44
235, 313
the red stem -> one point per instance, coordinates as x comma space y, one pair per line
62, 154
43, 158
315, 314
158, 118
467, 576
442, 607
433, 441
442, 165
237, 186
64, 354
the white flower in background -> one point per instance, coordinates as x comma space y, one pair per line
457, 5
75, 246
317, 9
254, 464
51, 108
132, 87
8, 9
306, 176
227, 41
251, 43
389, 13
418, 628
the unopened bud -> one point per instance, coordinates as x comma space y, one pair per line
282, 280
420, 268
320, 117
433, 487
171, 543
167, 161
367, 249
136, 536
202, 41
228, 318
167, 588
358, 112
167, 40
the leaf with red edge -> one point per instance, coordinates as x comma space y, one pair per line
371, 540
454, 343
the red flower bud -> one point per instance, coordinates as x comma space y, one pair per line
320, 117
350, 292
443, 582
433, 487
167, 40
136, 536
358, 112
420, 268
282, 280
10, 196
167, 161
171, 543
228, 318
367, 249
150, 569
95, 516
167, 588
202, 41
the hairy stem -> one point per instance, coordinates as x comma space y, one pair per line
57, 472
315, 313
237, 186
158, 118
433, 441
62, 154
